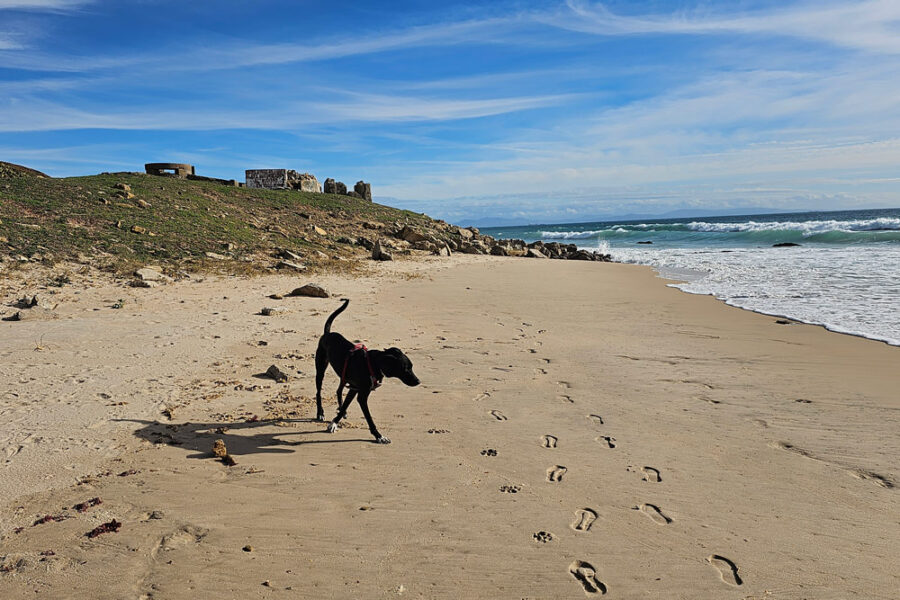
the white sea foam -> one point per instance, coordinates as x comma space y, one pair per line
849, 290
807, 227
570, 235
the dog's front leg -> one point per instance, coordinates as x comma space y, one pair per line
364, 405
343, 405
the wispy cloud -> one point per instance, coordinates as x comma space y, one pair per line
872, 25
43, 5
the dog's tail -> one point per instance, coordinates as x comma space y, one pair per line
335, 314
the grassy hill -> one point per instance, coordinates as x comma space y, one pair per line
119, 220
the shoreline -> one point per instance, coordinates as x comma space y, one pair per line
658, 442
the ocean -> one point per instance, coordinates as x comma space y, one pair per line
844, 274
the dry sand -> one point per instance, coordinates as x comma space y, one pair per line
581, 429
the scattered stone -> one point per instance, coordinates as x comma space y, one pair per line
215, 256
138, 229
284, 264
143, 284
313, 290
277, 374
156, 515
123, 186
346, 240
319, 230
219, 449
288, 255
276, 296
272, 311
379, 253
372, 225
142, 203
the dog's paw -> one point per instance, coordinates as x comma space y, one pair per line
332, 427
382, 440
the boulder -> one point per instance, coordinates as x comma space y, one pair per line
364, 190
288, 255
498, 250
365, 242
151, 274
535, 253
465, 234
580, 255
123, 186
442, 251
354, 194
379, 253
411, 235
346, 240
329, 186
312, 290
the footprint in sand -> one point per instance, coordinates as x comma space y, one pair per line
586, 575
652, 511
651, 474
727, 569
609, 441
498, 415
549, 441
555, 474
584, 518
595, 419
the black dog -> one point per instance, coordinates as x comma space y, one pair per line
360, 369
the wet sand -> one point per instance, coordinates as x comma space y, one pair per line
581, 429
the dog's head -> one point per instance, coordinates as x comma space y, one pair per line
396, 364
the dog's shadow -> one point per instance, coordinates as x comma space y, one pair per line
200, 437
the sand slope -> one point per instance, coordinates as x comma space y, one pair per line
580, 429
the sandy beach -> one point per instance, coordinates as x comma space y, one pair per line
581, 429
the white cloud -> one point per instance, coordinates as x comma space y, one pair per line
872, 25
42, 5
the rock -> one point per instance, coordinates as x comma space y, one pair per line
335, 187
36, 313
219, 450
580, 255
312, 290
215, 256
284, 264
328, 187
138, 229
379, 253
784, 245
288, 255
464, 233
346, 240
442, 251
248, 547
647, 242
277, 374
364, 190
474, 230
365, 242
535, 253
123, 186
142, 203
354, 194
271, 311
371, 225
32, 302
140, 283
320, 254
319, 230
410, 235
499, 250
151, 274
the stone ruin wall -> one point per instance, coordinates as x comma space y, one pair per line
282, 179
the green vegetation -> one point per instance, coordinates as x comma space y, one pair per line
175, 222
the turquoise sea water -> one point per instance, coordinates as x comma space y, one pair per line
844, 273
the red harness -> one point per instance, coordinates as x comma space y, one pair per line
375, 380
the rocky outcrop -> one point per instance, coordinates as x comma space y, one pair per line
335, 187
379, 252
364, 190
282, 179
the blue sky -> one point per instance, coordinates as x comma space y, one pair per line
526, 111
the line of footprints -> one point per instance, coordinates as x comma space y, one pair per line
584, 572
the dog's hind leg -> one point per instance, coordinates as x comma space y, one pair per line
342, 408
364, 405
321, 367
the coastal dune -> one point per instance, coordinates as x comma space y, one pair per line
581, 430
